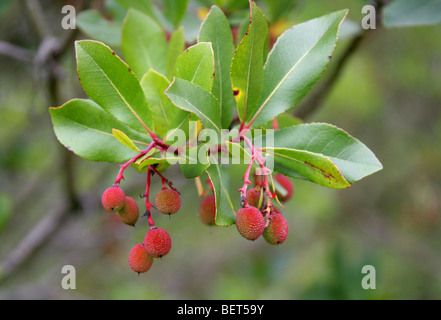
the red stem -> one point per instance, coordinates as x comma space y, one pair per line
148, 205
164, 179
124, 166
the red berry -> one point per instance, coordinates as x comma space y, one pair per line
288, 188
253, 197
139, 260
207, 210
130, 212
168, 201
157, 242
250, 223
113, 199
277, 229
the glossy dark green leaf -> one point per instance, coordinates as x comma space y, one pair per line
296, 61
216, 29
86, 129
196, 65
354, 159
176, 46
174, 10
154, 85
219, 176
109, 81
247, 66
143, 43
313, 166
193, 98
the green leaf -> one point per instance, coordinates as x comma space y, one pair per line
225, 213
93, 24
175, 47
144, 6
408, 13
196, 161
196, 65
247, 66
86, 129
124, 139
354, 160
313, 166
143, 43
216, 29
108, 81
193, 98
296, 61
175, 10
154, 85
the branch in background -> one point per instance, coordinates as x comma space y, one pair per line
46, 62
34, 239
316, 99
35, 12
15, 52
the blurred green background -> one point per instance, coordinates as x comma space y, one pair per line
387, 95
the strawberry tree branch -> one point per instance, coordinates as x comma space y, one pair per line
148, 205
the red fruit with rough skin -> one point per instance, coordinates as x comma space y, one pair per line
113, 199
287, 185
130, 212
157, 242
250, 223
277, 229
168, 201
139, 260
207, 210
253, 197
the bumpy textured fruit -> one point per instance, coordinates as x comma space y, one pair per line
207, 210
253, 197
250, 223
168, 201
157, 242
277, 229
113, 199
130, 212
286, 184
139, 260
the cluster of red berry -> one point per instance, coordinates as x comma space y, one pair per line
157, 241
257, 217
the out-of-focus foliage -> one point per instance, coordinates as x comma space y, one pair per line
388, 96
